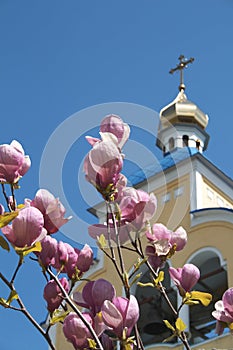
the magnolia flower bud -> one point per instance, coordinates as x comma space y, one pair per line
13, 162
26, 229
53, 293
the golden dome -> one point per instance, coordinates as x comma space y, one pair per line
182, 110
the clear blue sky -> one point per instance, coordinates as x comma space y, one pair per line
60, 57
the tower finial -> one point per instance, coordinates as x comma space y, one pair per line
183, 63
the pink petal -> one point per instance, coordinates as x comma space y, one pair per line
161, 232
179, 237
92, 140
176, 275
132, 314
112, 317
102, 290
228, 301
190, 276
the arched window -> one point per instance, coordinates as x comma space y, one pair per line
185, 139
154, 309
171, 143
213, 280
198, 144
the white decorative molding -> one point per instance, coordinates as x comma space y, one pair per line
166, 198
178, 191
202, 216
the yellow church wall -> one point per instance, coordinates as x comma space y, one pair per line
213, 234
213, 197
173, 203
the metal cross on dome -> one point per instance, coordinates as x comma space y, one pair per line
183, 64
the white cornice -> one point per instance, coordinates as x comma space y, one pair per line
202, 216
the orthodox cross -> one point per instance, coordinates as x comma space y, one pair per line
183, 63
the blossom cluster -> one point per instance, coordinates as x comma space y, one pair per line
105, 311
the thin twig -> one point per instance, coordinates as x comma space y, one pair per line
27, 314
16, 270
13, 206
6, 197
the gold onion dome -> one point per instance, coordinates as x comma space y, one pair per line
182, 110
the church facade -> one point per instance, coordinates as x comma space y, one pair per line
191, 192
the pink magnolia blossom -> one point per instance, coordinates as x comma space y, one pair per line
73, 261
26, 229
13, 162
94, 294
77, 332
52, 210
154, 260
102, 167
65, 258
185, 278
224, 312
162, 242
53, 294
136, 208
114, 124
120, 314
48, 252
85, 258
179, 238
161, 232
112, 128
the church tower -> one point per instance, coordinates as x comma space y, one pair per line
182, 122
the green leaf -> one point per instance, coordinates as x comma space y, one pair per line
13, 295
191, 302
180, 325
6, 303
195, 297
101, 241
7, 217
168, 324
127, 347
136, 278
36, 247
149, 284
160, 278
3, 302
126, 279
58, 316
139, 263
76, 275
91, 343
4, 244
